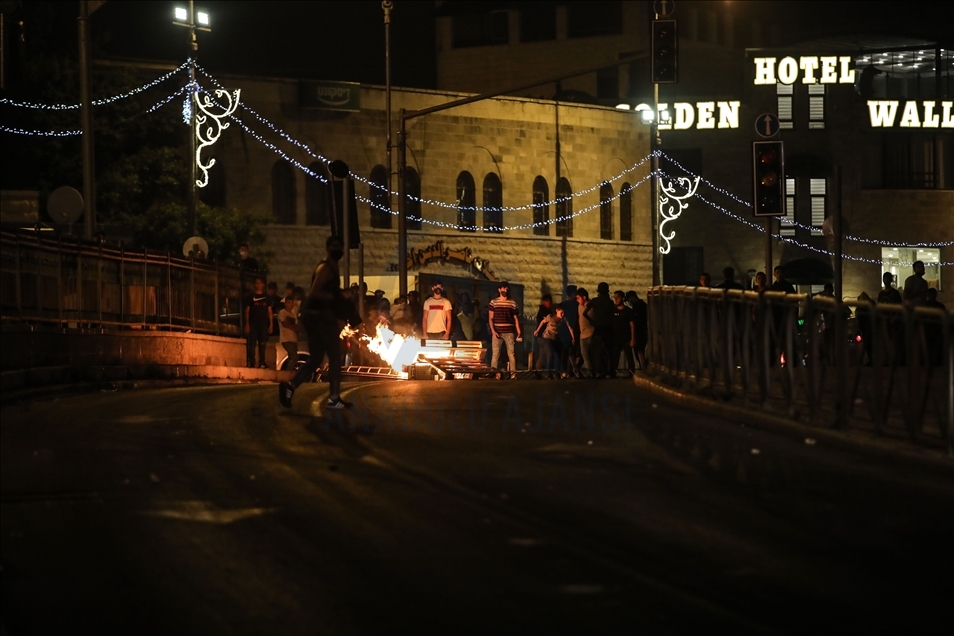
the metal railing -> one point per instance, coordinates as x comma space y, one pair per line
886, 368
75, 282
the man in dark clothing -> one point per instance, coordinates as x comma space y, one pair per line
728, 282
599, 311
569, 331
641, 320
323, 311
624, 333
544, 310
246, 263
889, 294
258, 323
780, 283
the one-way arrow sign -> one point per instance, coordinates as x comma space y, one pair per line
766, 125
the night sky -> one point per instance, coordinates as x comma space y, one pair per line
345, 40
323, 40
318, 40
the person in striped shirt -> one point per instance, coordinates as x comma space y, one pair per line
504, 326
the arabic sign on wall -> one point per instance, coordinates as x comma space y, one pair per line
341, 96
438, 252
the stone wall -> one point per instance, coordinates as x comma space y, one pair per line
28, 347
538, 263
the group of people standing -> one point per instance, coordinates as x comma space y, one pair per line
589, 337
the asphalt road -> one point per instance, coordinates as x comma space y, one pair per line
562, 507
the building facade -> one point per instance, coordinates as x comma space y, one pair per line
896, 185
512, 188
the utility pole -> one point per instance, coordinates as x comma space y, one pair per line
86, 116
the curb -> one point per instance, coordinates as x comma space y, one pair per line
861, 442
25, 384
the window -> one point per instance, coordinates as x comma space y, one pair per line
378, 193
596, 17
788, 229
918, 160
786, 94
539, 24
816, 106
626, 213
541, 211
466, 203
493, 203
412, 203
481, 29
318, 202
213, 194
283, 193
606, 212
899, 261
564, 208
818, 190
607, 83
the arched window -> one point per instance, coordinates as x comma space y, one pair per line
283, 193
493, 203
564, 208
466, 203
626, 213
412, 206
380, 210
213, 194
606, 211
318, 201
541, 211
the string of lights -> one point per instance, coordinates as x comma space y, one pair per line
454, 206
168, 98
529, 206
278, 131
525, 226
99, 102
794, 223
40, 133
431, 202
791, 241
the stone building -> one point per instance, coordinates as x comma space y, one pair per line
539, 169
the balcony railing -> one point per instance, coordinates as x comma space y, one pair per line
65, 282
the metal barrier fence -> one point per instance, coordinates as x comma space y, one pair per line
843, 364
64, 282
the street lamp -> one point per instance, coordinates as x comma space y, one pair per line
194, 21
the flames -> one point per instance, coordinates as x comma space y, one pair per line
396, 350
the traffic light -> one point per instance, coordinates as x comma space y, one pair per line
768, 178
665, 50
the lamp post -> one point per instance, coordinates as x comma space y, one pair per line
194, 21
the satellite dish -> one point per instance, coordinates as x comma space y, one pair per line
65, 205
339, 168
196, 244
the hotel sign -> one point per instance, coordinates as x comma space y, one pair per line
925, 114
701, 115
340, 96
812, 69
